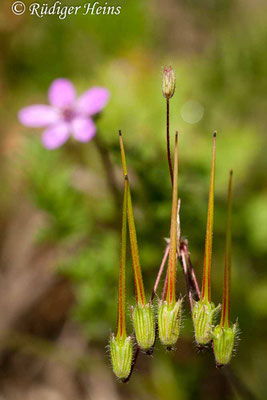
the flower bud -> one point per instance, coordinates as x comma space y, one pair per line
144, 325
204, 313
168, 82
169, 322
121, 351
223, 343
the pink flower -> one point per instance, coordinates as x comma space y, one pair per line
67, 115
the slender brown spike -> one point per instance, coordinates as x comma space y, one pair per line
123, 158
187, 278
138, 279
121, 322
205, 293
192, 272
171, 292
161, 268
225, 316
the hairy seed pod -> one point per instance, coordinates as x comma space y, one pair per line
169, 322
144, 325
121, 351
168, 82
223, 341
204, 313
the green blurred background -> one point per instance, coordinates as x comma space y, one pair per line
60, 210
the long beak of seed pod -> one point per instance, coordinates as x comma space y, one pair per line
121, 346
224, 334
142, 313
121, 324
204, 310
138, 279
225, 317
205, 294
171, 285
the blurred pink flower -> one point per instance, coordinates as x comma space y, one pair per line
67, 115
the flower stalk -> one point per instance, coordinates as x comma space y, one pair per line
224, 334
204, 310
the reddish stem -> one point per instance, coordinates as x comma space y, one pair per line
163, 262
168, 140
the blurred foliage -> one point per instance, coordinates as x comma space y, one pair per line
227, 76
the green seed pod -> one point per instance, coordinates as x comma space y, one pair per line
144, 325
121, 351
204, 313
168, 82
169, 322
224, 340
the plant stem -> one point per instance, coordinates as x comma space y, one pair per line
161, 268
168, 138
191, 270
182, 259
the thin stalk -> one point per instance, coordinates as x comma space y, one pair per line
163, 296
205, 293
138, 279
121, 322
225, 316
168, 138
161, 269
187, 278
191, 270
171, 289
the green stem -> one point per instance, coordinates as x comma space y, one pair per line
168, 138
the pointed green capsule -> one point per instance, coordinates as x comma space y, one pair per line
121, 351
223, 343
169, 322
204, 313
204, 310
144, 326
224, 334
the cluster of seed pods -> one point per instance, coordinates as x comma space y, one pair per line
123, 350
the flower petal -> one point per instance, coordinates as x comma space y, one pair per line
56, 135
84, 129
38, 115
92, 101
62, 93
